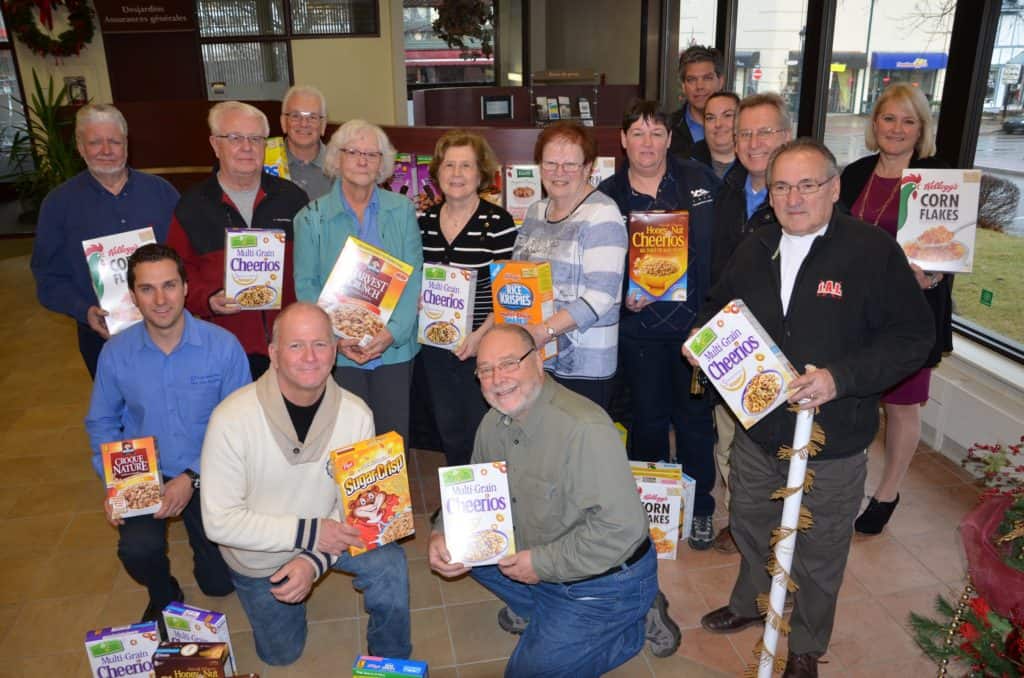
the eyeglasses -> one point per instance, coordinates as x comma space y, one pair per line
239, 139
551, 166
368, 156
503, 367
780, 189
299, 116
762, 134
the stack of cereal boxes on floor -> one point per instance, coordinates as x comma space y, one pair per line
522, 294
477, 512
667, 495
191, 660
186, 623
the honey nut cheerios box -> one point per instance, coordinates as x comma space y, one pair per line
185, 623
362, 290
373, 482
522, 294
132, 472
107, 259
191, 660
745, 366
447, 298
122, 650
477, 511
657, 260
254, 267
667, 496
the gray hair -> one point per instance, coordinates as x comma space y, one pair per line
217, 113
766, 99
345, 134
290, 310
304, 90
914, 98
94, 113
804, 144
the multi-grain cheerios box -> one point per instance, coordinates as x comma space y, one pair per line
191, 660
385, 667
275, 158
522, 189
122, 650
185, 623
107, 258
745, 366
446, 305
477, 511
132, 473
373, 483
362, 290
254, 267
667, 495
657, 259
522, 294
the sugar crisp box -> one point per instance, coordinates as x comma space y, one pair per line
122, 650
477, 512
254, 267
446, 309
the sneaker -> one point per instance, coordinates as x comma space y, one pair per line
702, 536
662, 633
510, 622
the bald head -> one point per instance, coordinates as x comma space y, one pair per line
303, 309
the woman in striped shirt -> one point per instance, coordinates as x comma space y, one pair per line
466, 232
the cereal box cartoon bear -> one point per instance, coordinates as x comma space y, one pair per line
371, 510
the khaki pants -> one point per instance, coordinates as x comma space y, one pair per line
725, 426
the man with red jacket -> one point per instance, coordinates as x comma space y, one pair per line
238, 195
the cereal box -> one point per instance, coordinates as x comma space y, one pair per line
427, 194
107, 258
477, 512
275, 158
254, 267
446, 309
522, 294
185, 623
603, 167
938, 218
522, 189
191, 660
362, 290
122, 650
667, 495
384, 667
132, 474
743, 363
374, 485
403, 179
657, 259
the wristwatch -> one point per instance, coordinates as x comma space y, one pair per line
551, 331
194, 476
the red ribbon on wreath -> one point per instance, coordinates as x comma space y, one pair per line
46, 8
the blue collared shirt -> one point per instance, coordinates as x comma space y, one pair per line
141, 391
754, 198
696, 128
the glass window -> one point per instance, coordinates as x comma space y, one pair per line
332, 17
246, 70
12, 114
429, 60
235, 18
770, 48
696, 27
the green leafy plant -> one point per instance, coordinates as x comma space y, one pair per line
461, 22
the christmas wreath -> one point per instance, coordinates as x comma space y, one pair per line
69, 43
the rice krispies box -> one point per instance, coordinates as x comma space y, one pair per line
362, 290
254, 267
447, 297
107, 258
132, 472
122, 650
522, 294
667, 495
477, 512
191, 660
658, 254
745, 366
373, 482
185, 623
384, 667
522, 189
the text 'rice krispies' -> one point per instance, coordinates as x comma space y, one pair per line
522, 294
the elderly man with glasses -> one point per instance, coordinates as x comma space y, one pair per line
238, 195
304, 121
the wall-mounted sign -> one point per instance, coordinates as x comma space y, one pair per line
139, 16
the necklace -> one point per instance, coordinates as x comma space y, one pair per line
867, 194
547, 210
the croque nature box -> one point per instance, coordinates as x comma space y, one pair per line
132, 474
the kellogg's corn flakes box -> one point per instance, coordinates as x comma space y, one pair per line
122, 650
938, 217
362, 290
275, 158
374, 484
447, 297
107, 258
132, 475
745, 366
657, 259
477, 510
185, 623
254, 267
667, 495
522, 294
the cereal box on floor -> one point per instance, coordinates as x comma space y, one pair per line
667, 495
657, 260
373, 482
191, 660
477, 511
254, 267
522, 294
107, 258
186, 623
446, 305
745, 366
384, 667
132, 473
122, 650
362, 290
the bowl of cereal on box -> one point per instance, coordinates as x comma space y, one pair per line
255, 296
485, 545
762, 391
442, 333
658, 273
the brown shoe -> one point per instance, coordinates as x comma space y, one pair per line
724, 620
723, 541
801, 666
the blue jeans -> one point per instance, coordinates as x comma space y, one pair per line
279, 629
583, 629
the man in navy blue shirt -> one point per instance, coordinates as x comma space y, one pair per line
105, 199
162, 378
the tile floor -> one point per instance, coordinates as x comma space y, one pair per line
61, 575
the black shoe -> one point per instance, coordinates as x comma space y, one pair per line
724, 620
154, 610
802, 665
875, 516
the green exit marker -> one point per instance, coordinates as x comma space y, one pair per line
986, 297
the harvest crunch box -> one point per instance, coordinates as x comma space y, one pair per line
522, 294
254, 267
446, 309
107, 258
477, 512
657, 261
131, 470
